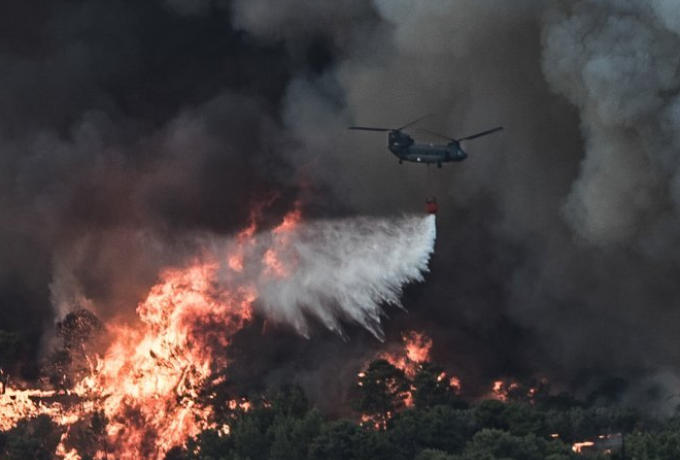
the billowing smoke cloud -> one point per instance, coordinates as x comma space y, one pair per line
128, 128
616, 62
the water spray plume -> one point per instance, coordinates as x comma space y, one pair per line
346, 270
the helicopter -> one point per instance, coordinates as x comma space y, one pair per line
404, 147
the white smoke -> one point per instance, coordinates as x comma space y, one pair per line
333, 271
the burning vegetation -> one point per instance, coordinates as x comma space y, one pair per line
142, 395
160, 401
161, 389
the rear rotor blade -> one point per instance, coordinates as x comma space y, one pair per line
483, 133
366, 128
434, 133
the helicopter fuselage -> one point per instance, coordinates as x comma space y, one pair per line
404, 148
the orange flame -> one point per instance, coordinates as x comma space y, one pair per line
416, 351
273, 257
148, 381
410, 358
156, 373
418, 346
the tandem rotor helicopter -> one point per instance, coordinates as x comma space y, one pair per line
404, 147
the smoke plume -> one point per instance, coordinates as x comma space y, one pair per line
127, 129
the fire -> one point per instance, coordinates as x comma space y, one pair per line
456, 384
156, 373
146, 385
290, 221
498, 391
416, 351
410, 359
579, 446
242, 404
245, 238
604, 443
272, 258
418, 346
16, 405
508, 390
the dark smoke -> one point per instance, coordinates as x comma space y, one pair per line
128, 127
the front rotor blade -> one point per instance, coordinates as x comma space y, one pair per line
483, 133
365, 128
414, 122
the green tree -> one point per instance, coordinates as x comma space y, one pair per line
522, 419
663, 445
336, 441
492, 444
288, 400
250, 441
489, 414
433, 454
291, 436
208, 445
376, 445
519, 418
441, 427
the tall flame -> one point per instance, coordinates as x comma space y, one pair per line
147, 383
155, 373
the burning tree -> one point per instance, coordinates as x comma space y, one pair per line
383, 389
75, 359
10, 346
431, 387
